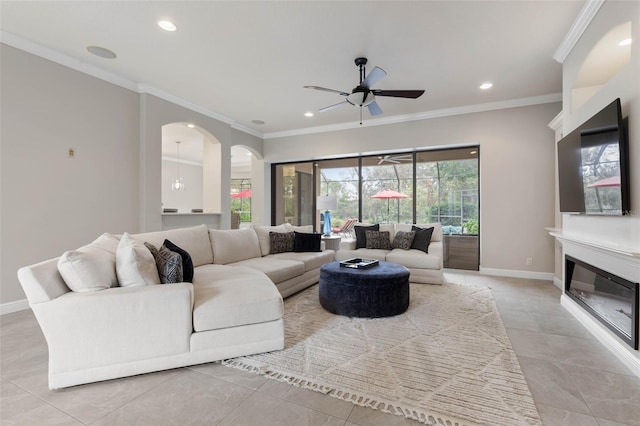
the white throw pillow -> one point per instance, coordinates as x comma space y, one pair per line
92, 267
135, 264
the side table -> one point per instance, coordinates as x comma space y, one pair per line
332, 242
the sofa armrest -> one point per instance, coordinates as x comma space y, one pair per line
348, 244
435, 248
117, 325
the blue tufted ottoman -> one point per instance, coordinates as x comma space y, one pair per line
378, 291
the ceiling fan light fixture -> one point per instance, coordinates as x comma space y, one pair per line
361, 99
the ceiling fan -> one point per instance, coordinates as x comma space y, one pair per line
363, 95
395, 159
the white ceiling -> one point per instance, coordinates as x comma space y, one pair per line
249, 60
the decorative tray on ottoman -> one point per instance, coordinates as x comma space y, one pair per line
358, 263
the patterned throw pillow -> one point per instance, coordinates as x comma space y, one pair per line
403, 240
378, 240
169, 264
361, 237
187, 262
281, 242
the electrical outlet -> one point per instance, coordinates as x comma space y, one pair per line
72, 153
529, 261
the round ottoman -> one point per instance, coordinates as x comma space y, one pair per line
378, 291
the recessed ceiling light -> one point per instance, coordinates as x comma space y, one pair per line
248, 153
101, 51
473, 152
308, 114
167, 25
487, 85
259, 122
625, 42
191, 126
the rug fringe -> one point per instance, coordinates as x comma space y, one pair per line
353, 397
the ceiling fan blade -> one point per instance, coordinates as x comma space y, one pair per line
374, 76
324, 89
413, 94
374, 109
325, 109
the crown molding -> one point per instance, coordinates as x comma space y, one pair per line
586, 15
102, 74
467, 109
142, 88
556, 123
65, 60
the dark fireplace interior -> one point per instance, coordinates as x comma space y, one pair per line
610, 299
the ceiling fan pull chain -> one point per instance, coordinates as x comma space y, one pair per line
361, 116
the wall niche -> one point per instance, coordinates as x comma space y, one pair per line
606, 59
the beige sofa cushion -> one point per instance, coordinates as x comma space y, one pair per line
278, 270
414, 259
92, 267
194, 240
262, 232
306, 229
226, 296
135, 264
363, 253
233, 245
312, 259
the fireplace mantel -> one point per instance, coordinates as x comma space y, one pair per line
609, 248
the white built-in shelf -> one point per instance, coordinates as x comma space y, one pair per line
618, 249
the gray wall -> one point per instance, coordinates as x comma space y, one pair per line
52, 203
517, 156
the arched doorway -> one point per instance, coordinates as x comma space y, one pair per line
191, 156
241, 186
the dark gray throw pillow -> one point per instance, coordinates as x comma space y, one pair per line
281, 242
187, 262
403, 240
378, 240
422, 239
303, 242
169, 264
361, 236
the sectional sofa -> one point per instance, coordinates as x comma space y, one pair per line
96, 329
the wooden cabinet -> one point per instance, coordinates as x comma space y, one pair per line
461, 252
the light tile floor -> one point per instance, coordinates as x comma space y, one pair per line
573, 378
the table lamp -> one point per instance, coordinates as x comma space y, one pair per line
327, 203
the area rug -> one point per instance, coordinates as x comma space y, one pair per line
446, 361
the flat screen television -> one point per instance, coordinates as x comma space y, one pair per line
593, 168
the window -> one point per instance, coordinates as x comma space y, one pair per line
447, 184
422, 187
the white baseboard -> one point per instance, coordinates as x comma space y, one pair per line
626, 354
547, 276
10, 307
558, 283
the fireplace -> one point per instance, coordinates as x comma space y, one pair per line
612, 300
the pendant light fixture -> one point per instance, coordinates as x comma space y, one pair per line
177, 184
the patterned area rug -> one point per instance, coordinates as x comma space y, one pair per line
446, 361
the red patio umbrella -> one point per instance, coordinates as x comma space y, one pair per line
389, 194
606, 183
242, 194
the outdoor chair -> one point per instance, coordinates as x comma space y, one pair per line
346, 229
